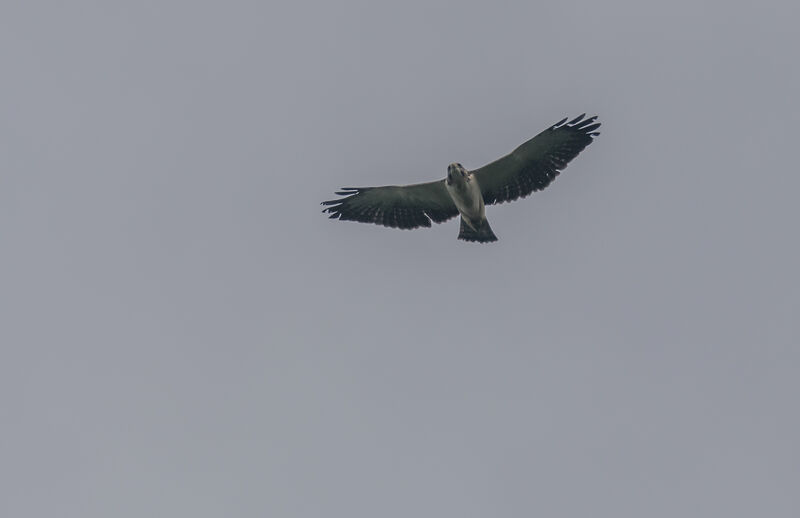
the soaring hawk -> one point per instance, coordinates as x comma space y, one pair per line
531, 167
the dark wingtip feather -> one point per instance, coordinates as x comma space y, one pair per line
586, 122
346, 192
576, 119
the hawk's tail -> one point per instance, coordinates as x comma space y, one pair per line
484, 233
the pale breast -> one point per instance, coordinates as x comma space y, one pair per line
467, 198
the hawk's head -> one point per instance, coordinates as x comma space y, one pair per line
456, 173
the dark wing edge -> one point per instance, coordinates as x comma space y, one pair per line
536, 163
396, 206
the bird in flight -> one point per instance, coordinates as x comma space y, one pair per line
531, 167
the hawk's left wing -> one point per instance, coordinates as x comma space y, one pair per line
400, 206
533, 165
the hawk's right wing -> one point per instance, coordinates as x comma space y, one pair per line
533, 165
400, 206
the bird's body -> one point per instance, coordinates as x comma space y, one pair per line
465, 192
463, 188
531, 167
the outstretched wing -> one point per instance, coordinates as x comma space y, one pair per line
400, 206
536, 163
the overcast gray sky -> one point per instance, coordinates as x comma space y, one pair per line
185, 334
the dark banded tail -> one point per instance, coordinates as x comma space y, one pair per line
483, 234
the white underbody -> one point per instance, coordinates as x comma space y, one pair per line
466, 195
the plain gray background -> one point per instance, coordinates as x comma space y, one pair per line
184, 334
